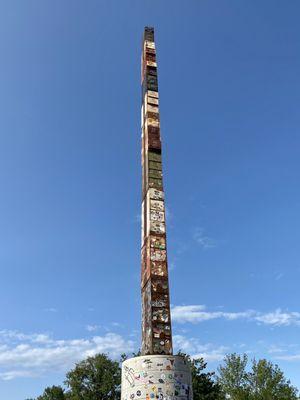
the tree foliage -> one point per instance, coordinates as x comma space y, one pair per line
204, 384
99, 377
268, 382
263, 380
233, 377
52, 393
96, 377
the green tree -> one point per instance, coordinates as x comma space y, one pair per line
233, 377
52, 393
96, 377
262, 381
267, 382
204, 385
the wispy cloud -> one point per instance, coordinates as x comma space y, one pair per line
289, 357
203, 240
279, 318
285, 352
209, 351
117, 324
92, 328
9, 336
199, 313
24, 355
212, 352
275, 349
279, 276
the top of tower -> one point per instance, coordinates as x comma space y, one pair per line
149, 33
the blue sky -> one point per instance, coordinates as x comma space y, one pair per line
70, 181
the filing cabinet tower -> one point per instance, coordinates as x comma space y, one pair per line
157, 373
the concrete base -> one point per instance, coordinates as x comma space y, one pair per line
156, 377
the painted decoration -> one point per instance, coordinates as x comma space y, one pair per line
157, 227
158, 242
156, 194
156, 325
158, 268
160, 315
158, 255
157, 215
156, 377
159, 303
157, 205
160, 285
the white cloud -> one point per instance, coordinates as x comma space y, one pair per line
204, 241
92, 328
289, 357
15, 336
285, 352
214, 355
198, 313
9, 375
208, 351
274, 349
279, 318
117, 324
51, 309
37, 354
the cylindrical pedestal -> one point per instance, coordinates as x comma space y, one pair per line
156, 377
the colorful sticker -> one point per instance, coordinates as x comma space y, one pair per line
158, 242
158, 268
156, 194
158, 255
157, 215
157, 227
